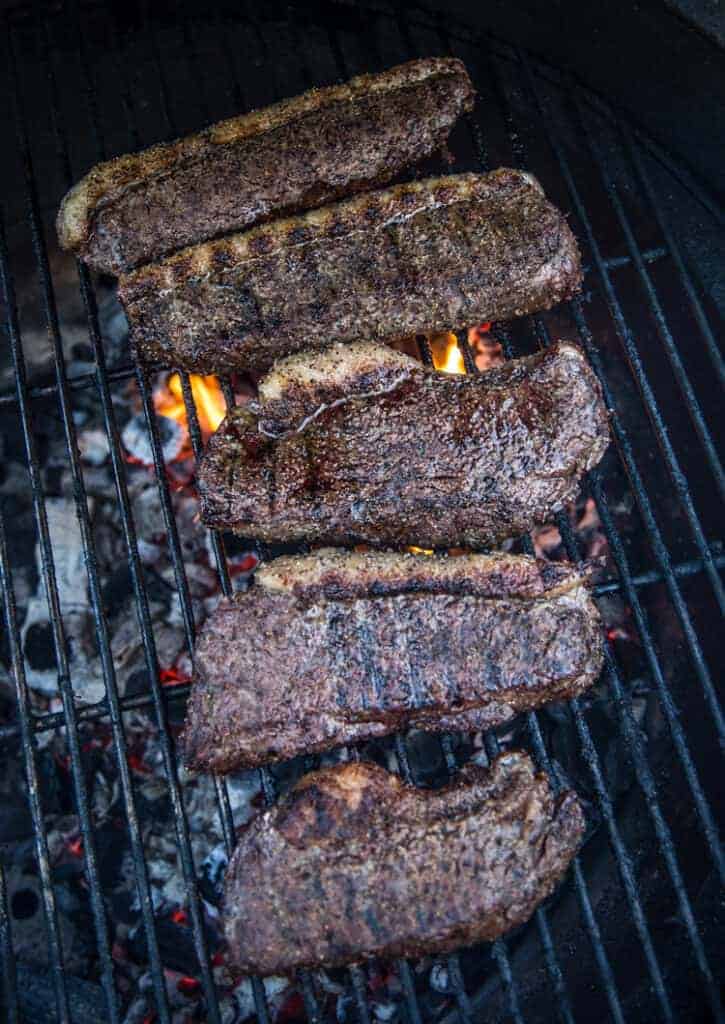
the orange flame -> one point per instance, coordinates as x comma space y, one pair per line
447, 356
208, 401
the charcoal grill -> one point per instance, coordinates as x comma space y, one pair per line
635, 933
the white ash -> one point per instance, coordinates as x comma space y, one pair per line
153, 541
241, 1004
68, 559
93, 447
136, 438
40, 666
384, 1011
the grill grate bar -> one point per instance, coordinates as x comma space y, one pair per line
9, 991
631, 729
47, 558
552, 965
55, 950
629, 724
678, 478
663, 329
59, 639
615, 541
617, 547
545, 762
643, 773
220, 786
498, 949
181, 825
640, 492
674, 251
534, 730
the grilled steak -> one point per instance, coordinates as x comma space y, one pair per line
291, 156
365, 444
352, 864
432, 255
336, 647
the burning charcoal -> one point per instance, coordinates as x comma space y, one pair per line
137, 441
176, 945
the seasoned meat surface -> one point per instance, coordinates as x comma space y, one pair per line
364, 444
300, 153
352, 864
439, 254
336, 647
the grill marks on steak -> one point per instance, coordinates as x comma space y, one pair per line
364, 444
352, 864
300, 153
427, 256
335, 647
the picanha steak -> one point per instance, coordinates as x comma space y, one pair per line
433, 255
335, 647
364, 444
297, 154
352, 864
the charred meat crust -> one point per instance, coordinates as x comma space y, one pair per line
353, 864
368, 446
337, 647
299, 153
431, 255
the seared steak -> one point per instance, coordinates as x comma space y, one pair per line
352, 864
336, 647
433, 255
365, 444
294, 155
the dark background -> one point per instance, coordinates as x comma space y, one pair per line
662, 62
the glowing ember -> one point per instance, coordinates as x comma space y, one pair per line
487, 349
76, 847
447, 356
208, 401
173, 676
419, 551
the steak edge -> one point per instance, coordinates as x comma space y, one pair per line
353, 863
434, 255
362, 444
299, 153
336, 647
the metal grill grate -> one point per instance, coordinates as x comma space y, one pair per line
94, 82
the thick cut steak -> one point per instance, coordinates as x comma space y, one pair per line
336, 647
363, 444
433, 255
300, 153
352, 864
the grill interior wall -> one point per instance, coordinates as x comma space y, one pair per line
88, 84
